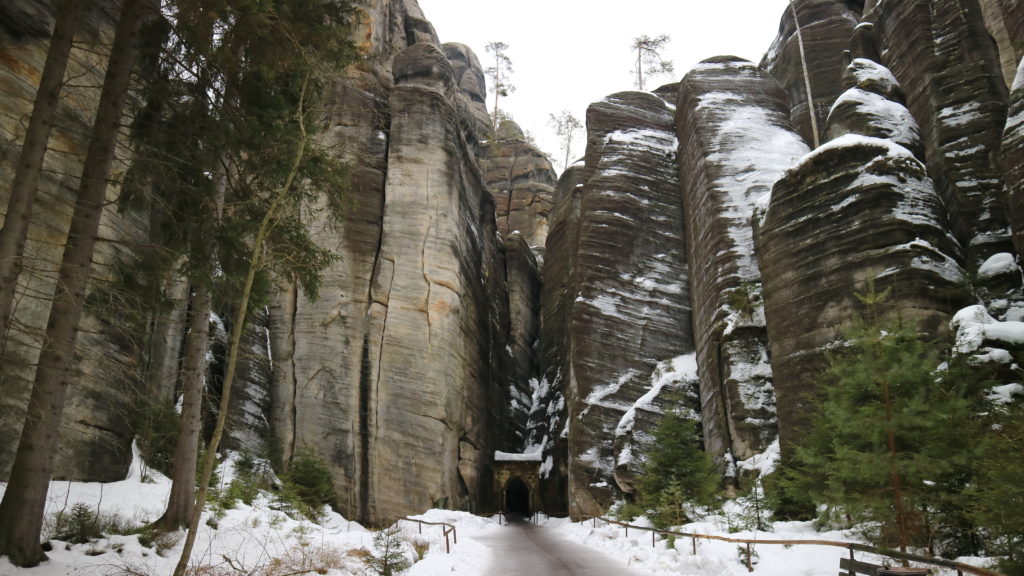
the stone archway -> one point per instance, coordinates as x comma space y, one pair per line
517, 497
517, 482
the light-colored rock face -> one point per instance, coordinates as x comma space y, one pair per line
96, 431
427, 392
1004, 20
522, 183
1013, 158
615, 275
735, 140
388, 374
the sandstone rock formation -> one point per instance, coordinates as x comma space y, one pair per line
949, 67
522, 182
469, 77
624, 302
1013, 158
857, 214
873, 105
96, 433
735, 140
825, 28
1004, 20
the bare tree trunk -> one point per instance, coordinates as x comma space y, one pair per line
30, 163
21, 512
255, 264
181, 502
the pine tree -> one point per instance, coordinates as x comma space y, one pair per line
389, 557
227, 153
678, 471
30, 163
21, 511
997, 497
888, 436
500, 75
565, 125
269, 60
648, 58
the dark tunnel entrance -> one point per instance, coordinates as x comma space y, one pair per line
517, 497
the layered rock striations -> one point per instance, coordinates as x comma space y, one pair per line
547, 426
949, 67
735, 140
1004, 20
428, 386
522, 182
1013, 158
615, 282
321, 350
391, 375
824, 27
857, 215
96, 431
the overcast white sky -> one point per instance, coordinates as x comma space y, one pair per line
568, 53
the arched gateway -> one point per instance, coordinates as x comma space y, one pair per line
517, 482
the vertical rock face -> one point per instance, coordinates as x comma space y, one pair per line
735, 140
860, 209
469, 77
625, 300
247, 427
522, 182
523, 280
1013, 158
1004, 20
324, 351
547, 425
96, 431
391, 375
825, 28
949, 67
427, 390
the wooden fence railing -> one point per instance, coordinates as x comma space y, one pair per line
448, 529
960, 567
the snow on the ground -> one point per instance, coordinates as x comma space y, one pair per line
250, 537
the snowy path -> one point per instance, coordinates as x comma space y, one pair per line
524, 549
